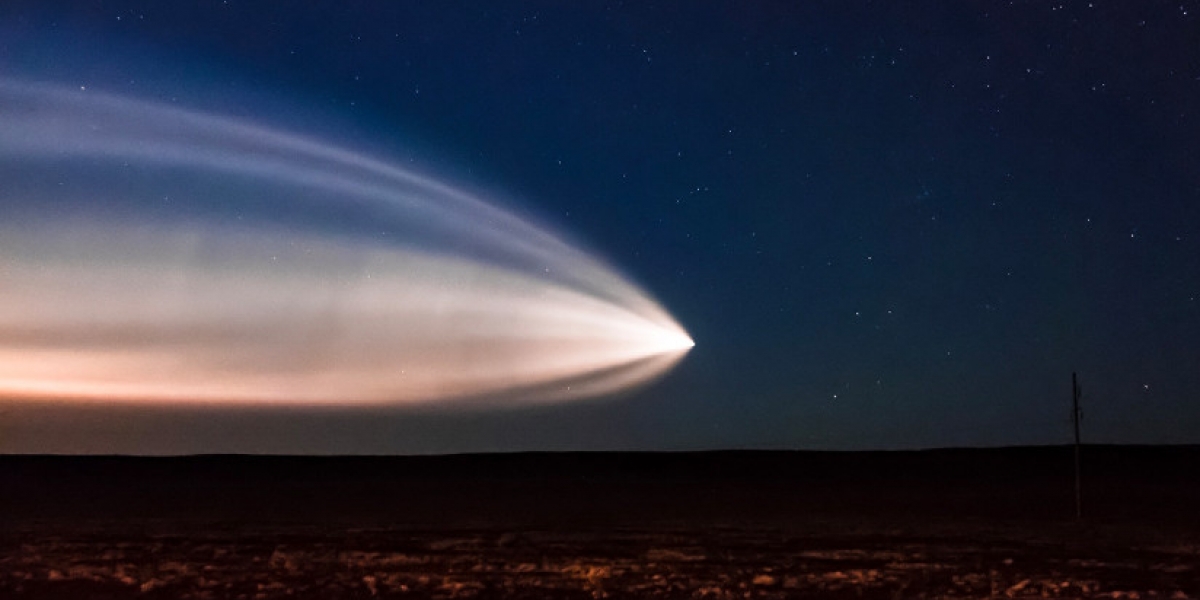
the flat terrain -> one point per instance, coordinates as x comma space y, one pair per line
949, 523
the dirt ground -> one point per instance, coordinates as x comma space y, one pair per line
179, 529
700, 563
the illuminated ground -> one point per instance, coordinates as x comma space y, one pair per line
735, 525
667, 564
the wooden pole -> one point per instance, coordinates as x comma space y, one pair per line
1075, 393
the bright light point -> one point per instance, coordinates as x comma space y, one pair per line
155, 255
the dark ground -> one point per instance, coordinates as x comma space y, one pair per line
947, 523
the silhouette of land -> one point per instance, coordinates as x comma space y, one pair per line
948, 523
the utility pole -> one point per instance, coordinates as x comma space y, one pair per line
1075, 414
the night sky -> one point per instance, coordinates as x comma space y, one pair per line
885, 225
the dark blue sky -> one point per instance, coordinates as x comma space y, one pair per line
886, 225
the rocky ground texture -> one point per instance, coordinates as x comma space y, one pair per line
228, 562
973, 523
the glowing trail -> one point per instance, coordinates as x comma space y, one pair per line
153, 254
